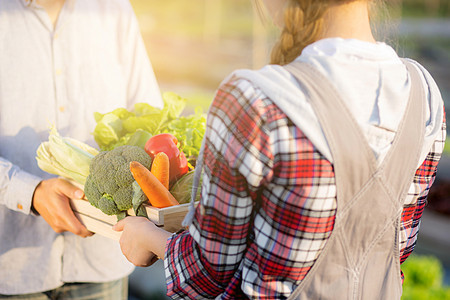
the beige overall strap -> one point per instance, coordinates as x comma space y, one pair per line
405, 146
356, 159
364, 242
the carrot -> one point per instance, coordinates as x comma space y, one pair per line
160, 168
155, 191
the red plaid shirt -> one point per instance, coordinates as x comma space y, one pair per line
254, 151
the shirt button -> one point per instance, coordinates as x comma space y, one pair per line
62, 108
55, 36
58, 71
19, 206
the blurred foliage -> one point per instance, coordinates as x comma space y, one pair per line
194, 45
447, 147
183, 18
188, 18
424, 279
426, 8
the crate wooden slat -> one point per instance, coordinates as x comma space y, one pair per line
95, 220
98, 226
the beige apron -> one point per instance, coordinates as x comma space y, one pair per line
361, 258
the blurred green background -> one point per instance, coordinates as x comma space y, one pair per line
193, 45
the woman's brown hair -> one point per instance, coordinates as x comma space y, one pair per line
303, 24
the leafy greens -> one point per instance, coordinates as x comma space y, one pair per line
124, 127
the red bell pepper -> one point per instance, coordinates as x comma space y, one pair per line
167, 143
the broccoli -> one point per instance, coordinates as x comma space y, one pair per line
110, 186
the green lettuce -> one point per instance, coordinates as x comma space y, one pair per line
189, 130
113, 126
135, 127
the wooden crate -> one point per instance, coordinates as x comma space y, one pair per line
95, 220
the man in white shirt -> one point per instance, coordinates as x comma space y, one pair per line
61, 61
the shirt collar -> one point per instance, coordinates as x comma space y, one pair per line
33, 4
30, 3
65, 13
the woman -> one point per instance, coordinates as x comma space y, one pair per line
316, 169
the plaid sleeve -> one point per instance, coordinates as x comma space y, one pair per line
237, 157
417, 197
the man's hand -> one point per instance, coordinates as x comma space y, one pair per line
51, 201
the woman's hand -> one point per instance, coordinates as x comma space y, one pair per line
142, 242
51, 201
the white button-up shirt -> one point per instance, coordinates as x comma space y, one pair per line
93, 60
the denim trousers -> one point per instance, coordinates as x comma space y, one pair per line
114, 290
